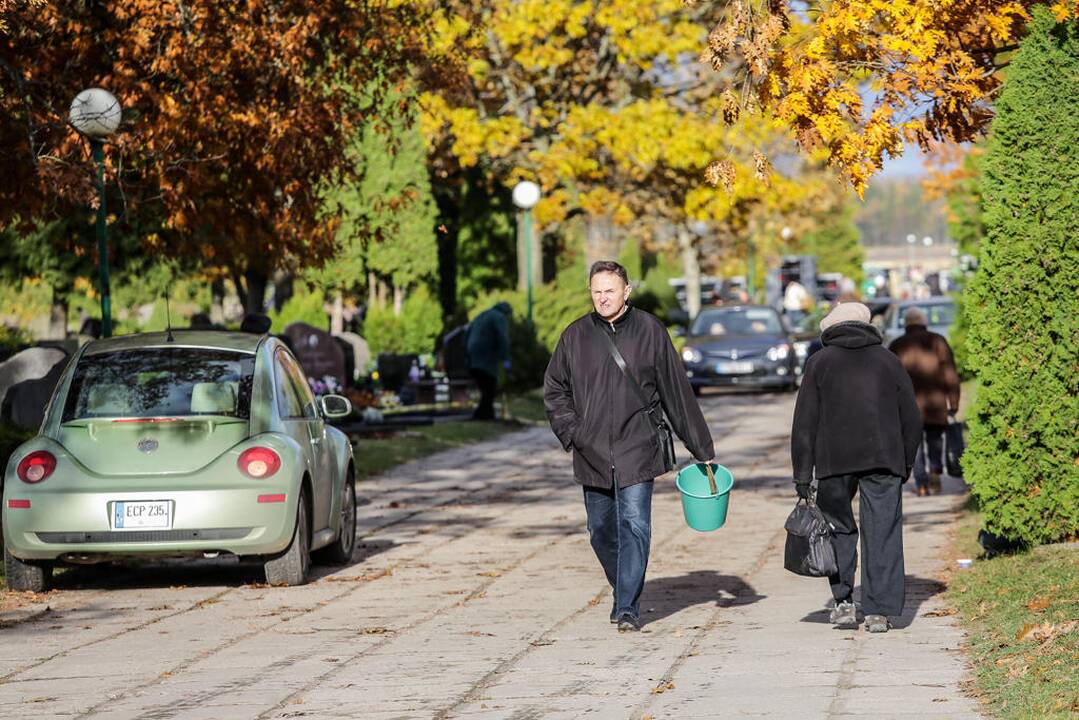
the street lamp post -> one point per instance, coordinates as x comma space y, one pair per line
525, 196
95, 114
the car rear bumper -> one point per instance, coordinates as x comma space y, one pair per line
79, 524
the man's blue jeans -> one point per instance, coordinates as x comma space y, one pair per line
620, 526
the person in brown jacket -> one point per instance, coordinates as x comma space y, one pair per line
928, 360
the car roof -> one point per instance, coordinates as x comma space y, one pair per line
208, 339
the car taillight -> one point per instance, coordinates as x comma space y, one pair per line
259, 462
36, 466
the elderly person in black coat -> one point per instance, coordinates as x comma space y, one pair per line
856, 430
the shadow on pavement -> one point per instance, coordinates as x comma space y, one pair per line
666, 596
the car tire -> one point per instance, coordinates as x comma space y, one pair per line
292, 566
26, 577
697, 390
339, 552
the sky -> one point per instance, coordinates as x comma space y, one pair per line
909, 165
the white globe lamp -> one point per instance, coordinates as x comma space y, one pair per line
526, 194
95, 113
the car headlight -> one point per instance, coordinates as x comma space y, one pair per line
801, 349
691, 355
778, 352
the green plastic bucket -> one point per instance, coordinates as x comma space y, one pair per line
704, 511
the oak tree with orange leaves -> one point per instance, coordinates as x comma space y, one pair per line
233, 113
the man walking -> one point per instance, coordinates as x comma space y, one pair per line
597, 412
488, 349
857, 428
928, 360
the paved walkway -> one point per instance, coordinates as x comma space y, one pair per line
475, 595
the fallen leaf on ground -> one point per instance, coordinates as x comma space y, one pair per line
940, 613
479, 633
378, 630
490, 573
662, 688
1038, 604
542, 643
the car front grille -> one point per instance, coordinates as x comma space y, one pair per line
734, 355
142, 536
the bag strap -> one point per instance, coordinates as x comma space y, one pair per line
621, 363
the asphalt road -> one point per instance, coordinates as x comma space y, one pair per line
474, 593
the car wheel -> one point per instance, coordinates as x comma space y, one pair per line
291, 567
27, 577
339, 552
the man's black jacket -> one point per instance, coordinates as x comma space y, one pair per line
594, 411
856, 410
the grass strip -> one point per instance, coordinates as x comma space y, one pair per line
1022, 615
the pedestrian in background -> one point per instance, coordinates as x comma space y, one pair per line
488, 350
856, 429
596, 412
928, 360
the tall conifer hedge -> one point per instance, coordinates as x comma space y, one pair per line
1023, 304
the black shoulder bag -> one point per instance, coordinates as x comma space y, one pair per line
659, 425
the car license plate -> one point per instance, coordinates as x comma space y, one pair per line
142, 515
734, 368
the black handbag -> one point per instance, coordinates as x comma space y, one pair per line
659, 425
809, 550
953, 448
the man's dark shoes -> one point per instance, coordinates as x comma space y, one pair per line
628, 623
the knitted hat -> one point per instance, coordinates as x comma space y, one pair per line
914, 316
845, 312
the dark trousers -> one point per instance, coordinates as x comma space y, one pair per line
620, 526
881, 518
930, 457
488, 385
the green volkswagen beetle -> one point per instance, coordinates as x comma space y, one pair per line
182, 444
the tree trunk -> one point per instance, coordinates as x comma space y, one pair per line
57, 320
383, 293
398, 299
217, 302
254, 295
282, 289
601, 241
372, 291
337, 315
691, 270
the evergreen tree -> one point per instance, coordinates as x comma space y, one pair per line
1023, 304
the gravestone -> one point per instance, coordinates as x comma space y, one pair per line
361, 353
30, 364
25, 402
455, 354
322, 358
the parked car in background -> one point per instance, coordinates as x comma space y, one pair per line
940, 311
182, 444
740, 345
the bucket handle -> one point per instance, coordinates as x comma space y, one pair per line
711, 479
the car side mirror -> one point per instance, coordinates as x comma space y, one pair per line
335, 406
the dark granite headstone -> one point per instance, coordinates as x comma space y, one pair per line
454, 353
318, 353
25, 402
29, 364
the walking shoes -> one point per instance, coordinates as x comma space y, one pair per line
844, 613
628, 623
877, 623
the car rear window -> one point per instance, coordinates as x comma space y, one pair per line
737, 321
161, 382
938, 314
